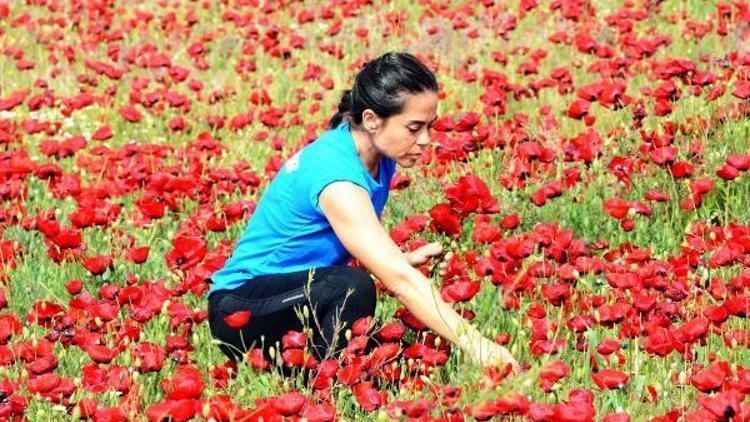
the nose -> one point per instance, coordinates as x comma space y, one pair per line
424, 139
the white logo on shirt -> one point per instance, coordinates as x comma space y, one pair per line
293, 163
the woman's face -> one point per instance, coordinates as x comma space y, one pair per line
404, 136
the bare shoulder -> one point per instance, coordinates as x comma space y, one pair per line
343, 198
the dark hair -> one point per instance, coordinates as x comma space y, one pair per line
378, 85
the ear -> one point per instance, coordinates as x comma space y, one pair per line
371, 122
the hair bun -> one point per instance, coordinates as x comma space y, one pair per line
345, 105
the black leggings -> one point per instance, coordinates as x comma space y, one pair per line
272, 300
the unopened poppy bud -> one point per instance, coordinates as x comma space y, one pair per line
206, 410
438, 341
348, 334
98, 321
165, 306
306, 311
272, 352
137, 363
579, 372
682, 377
382, 416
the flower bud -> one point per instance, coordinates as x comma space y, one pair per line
682, 378
165, 306
206, 410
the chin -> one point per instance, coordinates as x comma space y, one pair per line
407, 163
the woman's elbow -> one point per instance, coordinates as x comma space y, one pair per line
401, 280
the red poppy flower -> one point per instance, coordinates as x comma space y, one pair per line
616, 207
482, 411
186, 252
711, 379
101, 354
293, 340
368, 398
578, 108
391, 332
739, 161
97, 265
722, 406
616, 417
137, 255
186, 383
693, 330
130, 113
551, 373
409, 408
742, 89
362, 325
257, 359
460, 291
608, 379
238, 319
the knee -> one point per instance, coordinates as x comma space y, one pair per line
360, 284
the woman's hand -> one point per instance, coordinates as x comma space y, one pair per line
420, 255
485, 352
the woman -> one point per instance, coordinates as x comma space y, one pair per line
322, 208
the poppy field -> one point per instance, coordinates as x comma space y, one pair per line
588, 170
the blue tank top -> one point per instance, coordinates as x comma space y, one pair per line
288, 231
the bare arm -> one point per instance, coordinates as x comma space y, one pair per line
349, 210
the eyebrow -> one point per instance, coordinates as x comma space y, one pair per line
420, 121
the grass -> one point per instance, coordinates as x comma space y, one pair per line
35, 277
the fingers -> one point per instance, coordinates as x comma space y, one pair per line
443, 266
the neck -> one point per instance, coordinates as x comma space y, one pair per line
368, 154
